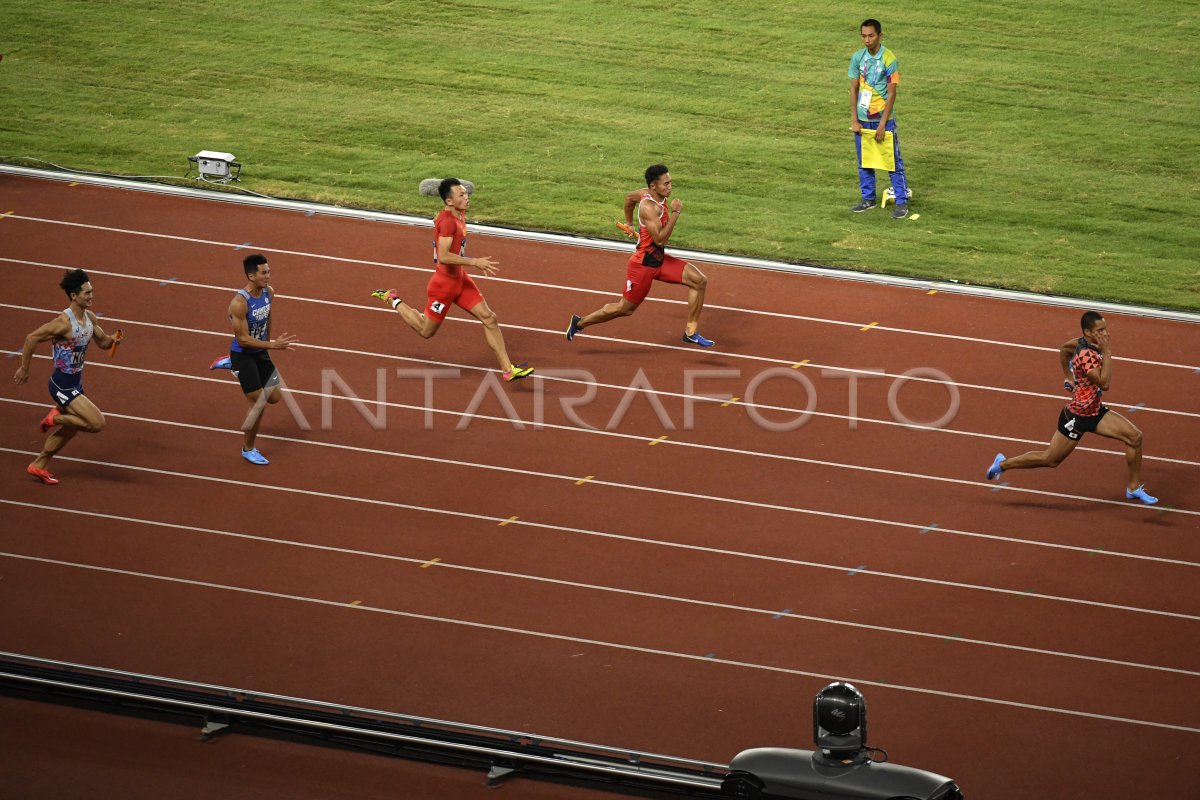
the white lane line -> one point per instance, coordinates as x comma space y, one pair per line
973, 484
955, 531
602, 292
608, 386
468, 515
609, 589
597, 384
601, 643
778, 362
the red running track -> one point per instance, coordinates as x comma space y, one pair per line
685, 595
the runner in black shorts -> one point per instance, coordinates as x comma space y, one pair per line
1087, 364
250, 313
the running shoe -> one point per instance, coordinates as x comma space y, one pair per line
42, 475
255, 457
49, 421
389, 296
1140, 494
573, 328
697, 339
994, 470
518, 371
224, 362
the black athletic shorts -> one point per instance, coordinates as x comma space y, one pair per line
253, 369
1074, 426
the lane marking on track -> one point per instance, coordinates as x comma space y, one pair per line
356, 603
653, 442
857, 569
874, 373
242, 246
430, 563
730, 402
638, 487
584, 480
604, 292
932, 291
1136, 406
167, 281
612, 645
621, 537
868, 326
73, 183
1001, 485
6, 214
775, 615
930, 527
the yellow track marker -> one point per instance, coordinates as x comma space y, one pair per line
6, 214
868, 327
430, 563
915, 216
584, 480
357, 603
730, 402
73, 183
932, 291
656, 441
510, 519
800, 364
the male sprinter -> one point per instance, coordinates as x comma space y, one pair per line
650, 261
250, 313
71, 331
451, 283
1087, 364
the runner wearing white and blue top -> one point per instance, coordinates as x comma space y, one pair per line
250, 313
71, 332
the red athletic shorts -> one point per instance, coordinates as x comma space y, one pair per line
639, 278
444, 291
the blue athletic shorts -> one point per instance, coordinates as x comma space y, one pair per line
64, 387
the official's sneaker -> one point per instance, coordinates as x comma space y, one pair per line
994, 470
573, 328
224, 362
42, 475
255, 457
697, 339
49, 421
900, 211
518, 371
865, 205
1140, 494
389, 296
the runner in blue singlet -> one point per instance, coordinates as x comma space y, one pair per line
250, 313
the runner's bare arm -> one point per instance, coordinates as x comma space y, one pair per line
241, 329
102, 339
1102, 375
57, 328
631, 202
447, 256
648, 214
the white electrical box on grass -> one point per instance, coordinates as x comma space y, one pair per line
216, 167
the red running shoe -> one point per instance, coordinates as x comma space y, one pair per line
48, 422
42, 475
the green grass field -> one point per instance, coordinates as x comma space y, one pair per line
1051, 146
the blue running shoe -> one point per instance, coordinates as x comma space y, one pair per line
1140, 494
224, 362
994, 470
255, 457
573, 328
696, 338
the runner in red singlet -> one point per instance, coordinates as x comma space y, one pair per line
1087, 364
650, 262
451, 284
